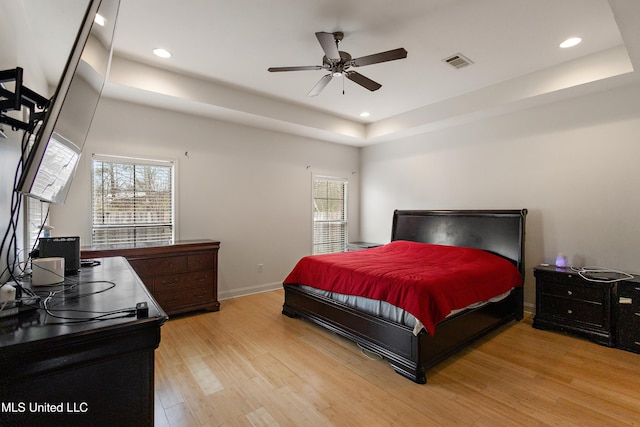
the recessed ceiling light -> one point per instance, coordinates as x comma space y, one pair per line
570, 42
162, 53
364, 114
99, 19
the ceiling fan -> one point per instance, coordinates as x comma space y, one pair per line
338, 63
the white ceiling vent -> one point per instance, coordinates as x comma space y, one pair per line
458, 61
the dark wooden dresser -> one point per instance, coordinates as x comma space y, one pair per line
182, 277
606, 312
628, 316
89, 360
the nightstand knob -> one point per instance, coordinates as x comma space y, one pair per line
569, 293
569, 311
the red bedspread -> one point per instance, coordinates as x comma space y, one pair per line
428, 281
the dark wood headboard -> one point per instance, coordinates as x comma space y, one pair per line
498, 231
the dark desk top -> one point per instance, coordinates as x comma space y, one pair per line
78, 308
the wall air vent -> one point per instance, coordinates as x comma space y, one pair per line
458, 61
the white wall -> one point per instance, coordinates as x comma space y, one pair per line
573, 165
248, 188
15, 51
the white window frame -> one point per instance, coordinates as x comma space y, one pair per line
144, 161
36, 217
344, 221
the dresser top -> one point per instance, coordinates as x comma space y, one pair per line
148, 248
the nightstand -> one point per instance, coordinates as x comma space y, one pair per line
628, 316
357, 246
567, 302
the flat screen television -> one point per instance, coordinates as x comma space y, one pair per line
50, 161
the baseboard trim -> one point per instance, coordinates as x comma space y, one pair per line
529, 308
249, 290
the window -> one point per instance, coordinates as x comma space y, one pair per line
329, 215
37, 214
132, 201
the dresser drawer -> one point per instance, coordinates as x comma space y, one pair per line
630, 290
572, 291
573, 310
628, 303
180, 299
155, 266
200, 262
183, 281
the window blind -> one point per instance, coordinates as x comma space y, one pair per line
329, 215
132, 201
37, 213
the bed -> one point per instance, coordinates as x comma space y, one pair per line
409, 350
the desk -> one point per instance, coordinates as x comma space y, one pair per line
62, 372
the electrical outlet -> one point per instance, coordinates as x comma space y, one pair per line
260, 268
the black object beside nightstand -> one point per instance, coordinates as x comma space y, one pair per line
567, 302
628, 324
358, 246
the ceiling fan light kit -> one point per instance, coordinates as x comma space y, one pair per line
338, 63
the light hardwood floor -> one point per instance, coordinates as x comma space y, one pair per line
248, 365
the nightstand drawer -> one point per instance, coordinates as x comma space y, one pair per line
573, 292
573, 311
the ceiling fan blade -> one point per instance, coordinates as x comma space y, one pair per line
390, 55
320, 85
328, 43
363, 81
302, 68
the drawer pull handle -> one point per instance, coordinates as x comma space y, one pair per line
201, 279
569, 293
200, 295
637, 314
569, 311
637, 342
170, 299
173, 282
